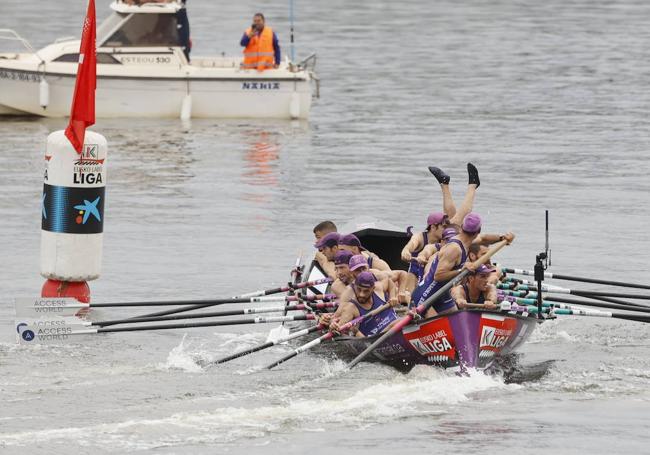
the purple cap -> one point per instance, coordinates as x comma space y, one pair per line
342, 257
365, 280
484, 269
357, 261
331, 239
449, 233
472, 223
350, 240
436, 218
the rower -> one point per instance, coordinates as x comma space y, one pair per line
367, 297
446, 265
429, 250
352, 243
436, 223
327, 246
358, 263
475, 251
344, 276
476, 289
324, 228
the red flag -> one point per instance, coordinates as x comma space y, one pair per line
82, 114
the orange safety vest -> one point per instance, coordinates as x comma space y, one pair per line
259, 53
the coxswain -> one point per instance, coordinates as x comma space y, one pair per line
476, 289
324, 228
344, 276
358, 263
366, 297
327, 247
352, 243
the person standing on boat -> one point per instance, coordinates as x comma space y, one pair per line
352, 243
327, 247
476, 289
366, 297
262, 49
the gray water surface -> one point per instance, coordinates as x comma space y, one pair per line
550, 101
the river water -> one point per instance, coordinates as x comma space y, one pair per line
548, 99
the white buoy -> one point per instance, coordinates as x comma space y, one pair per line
294, 106
43, 93
72, 212
186, 107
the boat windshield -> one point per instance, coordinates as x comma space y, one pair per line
144, 30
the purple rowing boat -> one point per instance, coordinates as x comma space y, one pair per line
466, 339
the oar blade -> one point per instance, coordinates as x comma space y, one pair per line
45, 307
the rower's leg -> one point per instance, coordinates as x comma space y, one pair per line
468, 201
443, 179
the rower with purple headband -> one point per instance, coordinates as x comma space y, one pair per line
425, 255
359, 263
366, 297
476, 289
436, 223
327, 247
352, 243
343, 275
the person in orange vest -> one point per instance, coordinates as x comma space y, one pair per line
262, 49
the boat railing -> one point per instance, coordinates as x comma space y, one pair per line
308, 64
8, 34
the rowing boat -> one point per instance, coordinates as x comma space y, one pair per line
472, 338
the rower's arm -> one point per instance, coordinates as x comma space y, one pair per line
346, 313
392, 292
412, 245
380, 264
448, 257
491, 294
489, 239
458, 294
338, 287
326, 265
426, 253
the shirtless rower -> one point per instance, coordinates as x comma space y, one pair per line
352, 243
324, 228
476, 289
344, 276
358, 263
447, 264
327, 246
367, 297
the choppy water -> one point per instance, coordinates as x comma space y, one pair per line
549, 99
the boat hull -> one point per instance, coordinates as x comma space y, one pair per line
151, 97
465, 339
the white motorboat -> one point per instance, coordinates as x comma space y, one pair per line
142, 71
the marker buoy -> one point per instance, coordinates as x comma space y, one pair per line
72, 214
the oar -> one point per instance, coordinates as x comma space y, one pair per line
173, 317
330, 334
268, 344
40, 330
575, 278
296, 274
552, 302
209, 303
424, 306
560, 290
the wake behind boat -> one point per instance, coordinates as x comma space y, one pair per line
143, 70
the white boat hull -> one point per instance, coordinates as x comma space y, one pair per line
163, 97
